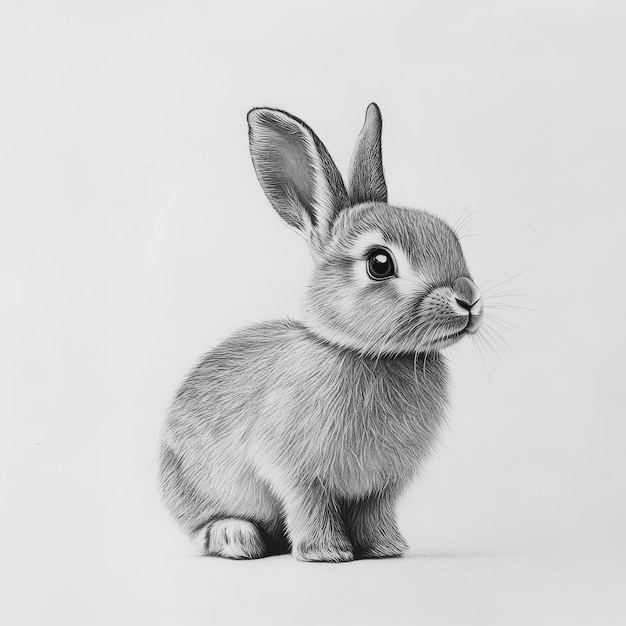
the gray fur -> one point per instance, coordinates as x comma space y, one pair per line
366, 177
303, 434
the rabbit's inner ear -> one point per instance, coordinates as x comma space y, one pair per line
296, 172
292, 189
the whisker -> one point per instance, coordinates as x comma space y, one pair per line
507, 294
505, 324
486, 341
458, 219
493, 330
463, 220
479, 346
512, 306
506, 280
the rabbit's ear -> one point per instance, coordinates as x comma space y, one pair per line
367, 180
296, 172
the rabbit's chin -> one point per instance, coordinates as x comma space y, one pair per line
399, 345
450, 339
441, 344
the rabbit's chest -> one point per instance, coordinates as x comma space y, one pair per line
378, 444
357, 426
372, 427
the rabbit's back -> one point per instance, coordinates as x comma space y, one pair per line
205, 466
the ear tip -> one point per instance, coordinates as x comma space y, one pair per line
269, 117
257, 114
373, 110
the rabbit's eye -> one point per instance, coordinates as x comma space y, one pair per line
380, 264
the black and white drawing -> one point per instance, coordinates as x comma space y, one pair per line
303, 434
250, 378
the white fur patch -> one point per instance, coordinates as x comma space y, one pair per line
330, 334
234, 539
409, 282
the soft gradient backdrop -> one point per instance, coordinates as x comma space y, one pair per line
135, 236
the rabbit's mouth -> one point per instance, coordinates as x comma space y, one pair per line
472, 326
448, 340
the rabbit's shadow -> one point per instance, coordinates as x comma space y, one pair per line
452, 554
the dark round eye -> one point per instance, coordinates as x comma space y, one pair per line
380, 264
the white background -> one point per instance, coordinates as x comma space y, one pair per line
135, 236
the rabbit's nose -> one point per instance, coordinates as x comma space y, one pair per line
466, 294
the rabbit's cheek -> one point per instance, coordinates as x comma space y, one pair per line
410, 285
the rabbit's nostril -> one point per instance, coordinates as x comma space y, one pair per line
466, 305
466, 291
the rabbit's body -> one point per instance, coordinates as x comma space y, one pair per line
303, 434
274, 407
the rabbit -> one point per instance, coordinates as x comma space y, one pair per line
301, 435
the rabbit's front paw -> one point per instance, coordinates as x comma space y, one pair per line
328, 549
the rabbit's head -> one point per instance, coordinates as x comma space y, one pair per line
387, 280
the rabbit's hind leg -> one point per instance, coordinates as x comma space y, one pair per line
237, 517
231, 538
